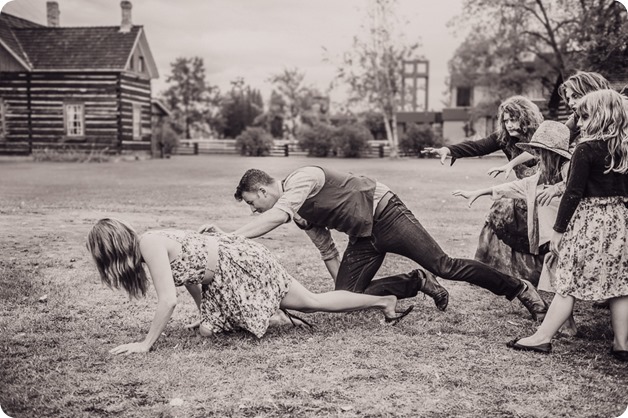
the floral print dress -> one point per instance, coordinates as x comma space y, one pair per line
593, 256
248, 283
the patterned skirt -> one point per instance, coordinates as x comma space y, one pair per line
248, 286
593, 254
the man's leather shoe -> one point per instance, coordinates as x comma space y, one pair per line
541, 348
532, 301
431, 287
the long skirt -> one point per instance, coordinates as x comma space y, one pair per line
503, 242
593, 253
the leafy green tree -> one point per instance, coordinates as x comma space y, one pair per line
295, 95
372, 68
272, 119
602, 41
189, 95
504, 36
240, 108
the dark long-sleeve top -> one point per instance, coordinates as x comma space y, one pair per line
489, 145
587, 179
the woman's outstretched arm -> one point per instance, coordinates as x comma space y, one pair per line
510, 165
155, 255
472, 195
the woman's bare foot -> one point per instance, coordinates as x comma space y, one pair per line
390, 309
279, 318
569, 328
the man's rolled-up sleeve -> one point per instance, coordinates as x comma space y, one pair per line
321, 237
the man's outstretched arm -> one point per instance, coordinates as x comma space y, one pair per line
263, 223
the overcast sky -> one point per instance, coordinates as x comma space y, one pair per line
256, 38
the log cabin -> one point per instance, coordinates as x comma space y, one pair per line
87, 87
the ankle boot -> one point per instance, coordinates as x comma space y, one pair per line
532, 301
431, 287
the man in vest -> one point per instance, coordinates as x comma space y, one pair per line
377, 222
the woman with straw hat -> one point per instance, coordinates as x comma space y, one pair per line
550, 144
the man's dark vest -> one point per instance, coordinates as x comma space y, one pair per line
344, 203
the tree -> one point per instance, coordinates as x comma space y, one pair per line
373, 67
296, 96
506, 35
240, 108
602, 41
272, 119
189, 96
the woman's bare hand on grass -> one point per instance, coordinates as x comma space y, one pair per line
130, 348
194, 325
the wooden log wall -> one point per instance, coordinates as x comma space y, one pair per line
134, 90
34, 104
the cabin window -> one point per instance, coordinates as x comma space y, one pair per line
137, 121
140, 65
75, 119
3, 125
463, 96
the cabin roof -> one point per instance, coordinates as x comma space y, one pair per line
77, 48
46, 48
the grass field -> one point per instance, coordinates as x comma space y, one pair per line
57, 322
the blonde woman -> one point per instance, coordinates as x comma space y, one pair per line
590, 236
550, 145
235, 282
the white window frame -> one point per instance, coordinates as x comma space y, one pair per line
74, 118
137, 121
141, 64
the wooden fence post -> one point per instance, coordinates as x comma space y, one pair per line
196, 148
381, 150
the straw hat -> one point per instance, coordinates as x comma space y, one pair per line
550, 135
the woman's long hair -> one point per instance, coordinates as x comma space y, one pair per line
604, 116
582, 83
115, 247
522, 110
550, 166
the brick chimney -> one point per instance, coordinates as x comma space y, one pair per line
126, 24
52, 12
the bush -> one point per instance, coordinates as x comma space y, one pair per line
374, 122
317, 140
417, 138
70, 154
167, 139
352, 140
254, 142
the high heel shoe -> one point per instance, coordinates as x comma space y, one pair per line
292, 318
395, 319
